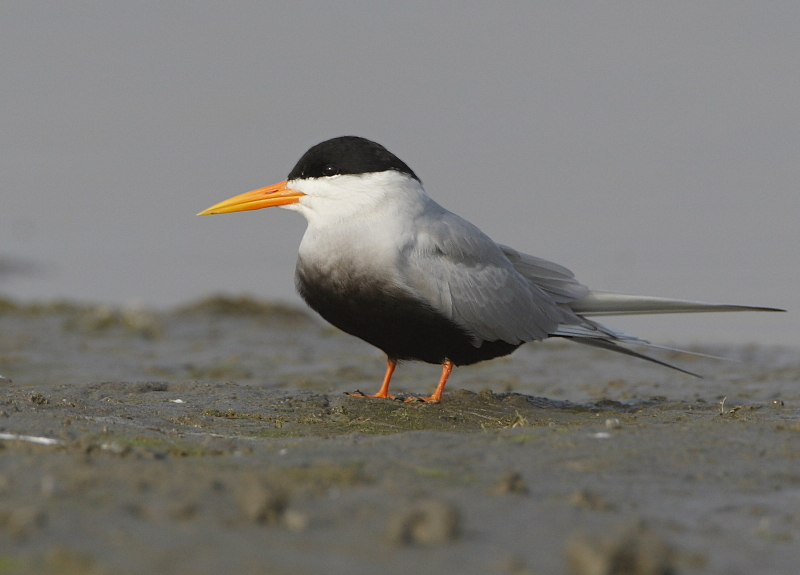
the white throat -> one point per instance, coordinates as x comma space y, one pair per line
359, 222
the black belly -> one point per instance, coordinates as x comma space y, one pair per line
400, 325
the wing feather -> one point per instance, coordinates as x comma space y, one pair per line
556, 280
462, 273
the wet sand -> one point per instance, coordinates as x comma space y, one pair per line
217, 439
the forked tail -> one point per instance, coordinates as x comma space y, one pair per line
607, 303
599, 303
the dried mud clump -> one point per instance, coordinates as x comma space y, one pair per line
261, 502
634, 551
21, 522
427, 523
38, 399
511, 483
590, 501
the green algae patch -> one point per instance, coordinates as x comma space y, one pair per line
232, 414
434, 472
10, 565
172, 447
39, 309
322, 476
99, 319
148, 446
460, 411
7, 306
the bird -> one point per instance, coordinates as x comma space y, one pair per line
382, 261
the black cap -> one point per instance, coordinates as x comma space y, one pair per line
347, 155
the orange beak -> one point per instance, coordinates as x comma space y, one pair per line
276, 195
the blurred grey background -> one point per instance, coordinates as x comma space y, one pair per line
650, 147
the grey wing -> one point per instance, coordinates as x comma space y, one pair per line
462, 273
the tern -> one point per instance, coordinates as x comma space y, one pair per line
382, 261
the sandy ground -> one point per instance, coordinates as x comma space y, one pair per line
217, 439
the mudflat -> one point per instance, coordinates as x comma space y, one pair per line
217, 438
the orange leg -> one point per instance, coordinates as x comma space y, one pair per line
447, 368
383, 392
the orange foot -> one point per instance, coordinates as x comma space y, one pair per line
447, 368
430, 399
383, 392
358, 393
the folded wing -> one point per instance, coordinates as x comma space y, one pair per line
498, 293
463, 274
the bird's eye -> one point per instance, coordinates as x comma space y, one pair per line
330, 170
